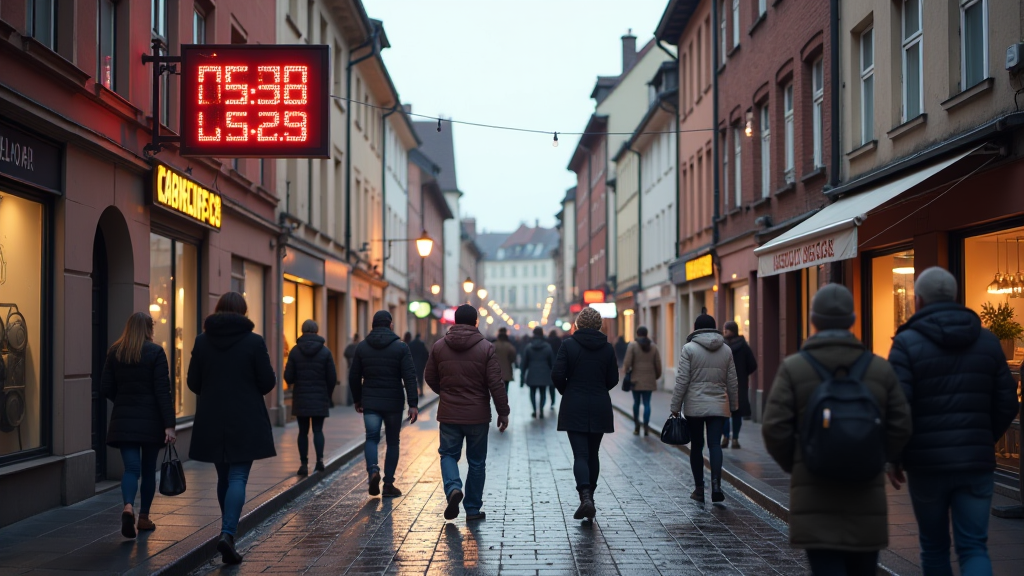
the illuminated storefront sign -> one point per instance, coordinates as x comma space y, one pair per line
699, 267
255, 101
593, 296
840, 245
420, 309
175, 192
606, 309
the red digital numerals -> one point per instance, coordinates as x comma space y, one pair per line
233, 102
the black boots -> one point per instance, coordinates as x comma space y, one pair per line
390, 491
319, 466
636, 429
303, 469
375, 484
698, 494
451, 512
716, 488
586, 509
226, 547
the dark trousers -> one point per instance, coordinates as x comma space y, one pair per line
586, 462
842, 563
552, 390
714, 425
538, 391
737, 423
318, 437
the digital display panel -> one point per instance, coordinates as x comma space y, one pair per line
260, 101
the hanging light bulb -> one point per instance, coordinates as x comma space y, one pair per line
555, 141
1016, 284
993, 287
1005, 286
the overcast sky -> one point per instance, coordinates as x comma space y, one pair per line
523, 63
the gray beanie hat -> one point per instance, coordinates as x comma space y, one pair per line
935, 285
832, 308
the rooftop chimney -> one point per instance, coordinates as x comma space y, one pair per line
536, 223
628, 51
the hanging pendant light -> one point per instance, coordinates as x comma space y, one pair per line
1005, 286
1018, 285
993, 287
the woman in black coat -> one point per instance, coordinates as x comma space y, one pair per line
538, 360
585, 370
311, 374
135, 378
230, 372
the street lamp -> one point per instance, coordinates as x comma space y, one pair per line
467, 285
481, 293
435, 289
424, 244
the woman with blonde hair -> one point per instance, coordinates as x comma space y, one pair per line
136, 379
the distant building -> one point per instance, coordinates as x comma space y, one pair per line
519, 274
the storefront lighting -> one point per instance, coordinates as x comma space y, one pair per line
1005, 287
566, 326
714, 288
159, 300
154, 308
1018, 281
628, 312
993, 287
288, 300
481, 293
748, 130
467, 285
424, 244
435, 289
734, 276
903, 270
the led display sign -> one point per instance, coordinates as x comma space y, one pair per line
261, 101
176, 192
699, 267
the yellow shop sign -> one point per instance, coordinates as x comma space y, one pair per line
176, 192
698, 267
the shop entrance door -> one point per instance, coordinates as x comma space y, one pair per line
99, 353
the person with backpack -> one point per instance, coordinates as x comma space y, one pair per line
814, 428
643, 364
962, 399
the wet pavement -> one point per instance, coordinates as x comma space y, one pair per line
646, 522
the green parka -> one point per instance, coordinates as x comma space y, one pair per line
829, 514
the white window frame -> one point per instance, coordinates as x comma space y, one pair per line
867, 125
723, 31
917, 38
787, 111
964, 5
818, 109
737, 144
766, 150
735, 23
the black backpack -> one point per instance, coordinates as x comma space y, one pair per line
842, 436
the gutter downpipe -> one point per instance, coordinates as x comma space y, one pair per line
714, 123
371, 41
836, 271
639, 222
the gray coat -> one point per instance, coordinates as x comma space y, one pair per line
706, 382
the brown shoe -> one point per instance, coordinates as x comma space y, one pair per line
736, 444
725, 442
145, 523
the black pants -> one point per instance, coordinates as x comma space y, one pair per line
842, 563
318, 437
586, 462
552, 390
538, 391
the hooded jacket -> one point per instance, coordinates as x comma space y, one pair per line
506, 353
961, 394
230, 372
419, 351
141, 394
380, 365
706, 382
311, 374
585, 370
463, 370
538, 360
746, 364
555, 342
643, 361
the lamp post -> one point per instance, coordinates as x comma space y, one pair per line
467, 285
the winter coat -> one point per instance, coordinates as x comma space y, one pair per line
705, 377
644, 360
620, 350
230, 372
506, 353
585, 370
312, 376
419, 351
379, 366
142, 397
829, 514
961, 394
463, 370
538, 360
555, 342
746, 364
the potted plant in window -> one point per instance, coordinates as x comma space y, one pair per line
999, 320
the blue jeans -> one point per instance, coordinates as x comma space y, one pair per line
231, 481
644, 396
968, 496
714, 425
475, 436
392, 422
139, 461
737, 423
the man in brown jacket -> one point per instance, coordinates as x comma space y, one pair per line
842, 525
505, 352
463, 370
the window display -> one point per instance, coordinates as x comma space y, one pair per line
741, 307
892, 297
297, 307
21, 281
811, 279
173, 303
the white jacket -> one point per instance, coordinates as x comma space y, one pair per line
706, 377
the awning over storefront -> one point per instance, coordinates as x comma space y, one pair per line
831, 234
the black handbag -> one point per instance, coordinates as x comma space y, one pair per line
627, 381
675, 431
172, 475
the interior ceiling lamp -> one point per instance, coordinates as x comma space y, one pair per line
424, 244
1005, 287
467, 285
993, 287
481, 293
903, 264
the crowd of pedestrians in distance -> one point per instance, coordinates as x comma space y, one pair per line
839, 419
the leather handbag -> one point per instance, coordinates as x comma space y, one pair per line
675, 431
627, 381
172, 475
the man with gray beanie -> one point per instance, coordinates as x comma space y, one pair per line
841, 524
962, 399
463, 370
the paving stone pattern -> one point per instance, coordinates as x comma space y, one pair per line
646, 522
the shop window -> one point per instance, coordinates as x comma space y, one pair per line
107, 26
173, 303
892, 297
21, 291
247, 280
811, 279
741, 308
298, 304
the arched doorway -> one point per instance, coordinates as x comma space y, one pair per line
113, 274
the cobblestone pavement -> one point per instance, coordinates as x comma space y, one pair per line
646, 522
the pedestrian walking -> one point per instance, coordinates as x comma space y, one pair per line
538, 360
585, 370
382, 378
463, 369
311, 374
962, 400
643, 364
620, 350
350, 350
746, 364
230, 373
841, 523
135, 378
419, 359
706, 391
505, 352
555, 342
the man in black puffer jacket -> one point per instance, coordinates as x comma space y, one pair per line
311, 374
380, 366
962, 399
